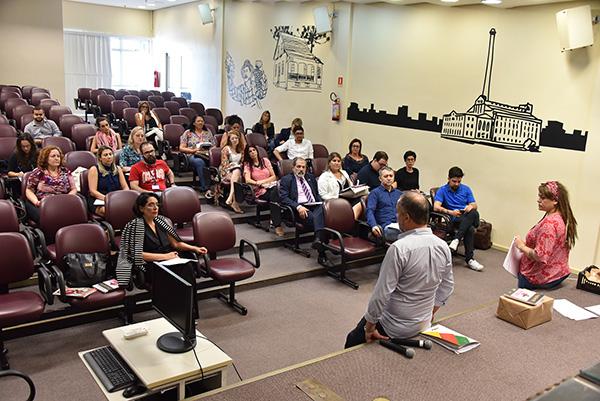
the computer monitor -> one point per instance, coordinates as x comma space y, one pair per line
173, 298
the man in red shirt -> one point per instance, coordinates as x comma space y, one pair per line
150, 175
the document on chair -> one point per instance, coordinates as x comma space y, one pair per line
512, 262
174, 261
572, 311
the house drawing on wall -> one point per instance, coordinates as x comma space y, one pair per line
295, 67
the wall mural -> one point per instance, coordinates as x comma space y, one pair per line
295, 67
254, 86
487, 122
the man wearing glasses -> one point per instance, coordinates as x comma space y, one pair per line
369, 174
150, 175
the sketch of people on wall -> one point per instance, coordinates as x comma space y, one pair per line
254, 86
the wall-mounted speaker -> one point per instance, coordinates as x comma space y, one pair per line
322, 22
205, 13
575, 27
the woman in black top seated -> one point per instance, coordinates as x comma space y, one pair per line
150, 238
23, 159
407, 178
103, 178
354, 160
265, 127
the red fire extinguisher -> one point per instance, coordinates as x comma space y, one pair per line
156, 79
335, 107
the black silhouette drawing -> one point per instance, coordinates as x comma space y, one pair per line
254, 86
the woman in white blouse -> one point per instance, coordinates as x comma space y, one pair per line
334, 179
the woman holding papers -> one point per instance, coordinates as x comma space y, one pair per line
150, 238
259, 173
545, 260
195, 143
103, 178
334, 179
232, 157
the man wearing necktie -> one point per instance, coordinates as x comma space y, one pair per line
299, 189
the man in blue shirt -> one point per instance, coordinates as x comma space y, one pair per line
381, 206
457, 200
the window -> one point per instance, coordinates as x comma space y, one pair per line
131, 63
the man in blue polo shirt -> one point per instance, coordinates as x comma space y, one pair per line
458, 201
381, 206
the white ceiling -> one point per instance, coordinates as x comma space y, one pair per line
158, 4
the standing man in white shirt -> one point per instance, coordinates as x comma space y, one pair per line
295, 147
41, 127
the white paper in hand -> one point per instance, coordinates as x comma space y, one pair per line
512, 262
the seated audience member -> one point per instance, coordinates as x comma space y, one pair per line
265, 127
415, 279
381, 206
105, 136
297, 146
234, 124
458, 201
150, 175
298, 189
334, 179
190, 144
369, 174
24, 158
232, 159
354, 160
259, 173
103, 178
285, 133
41, 127
131, 153
50, 177
407, 178
545, 259
149, 121
150, 238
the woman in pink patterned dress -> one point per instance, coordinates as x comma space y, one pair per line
545, 260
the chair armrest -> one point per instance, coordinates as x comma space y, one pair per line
446, 219
287, 208
57, 280
45, 284
42, 241
252, 245
31, 240
111, 234
339, 238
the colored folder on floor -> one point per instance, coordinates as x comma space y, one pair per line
450, 339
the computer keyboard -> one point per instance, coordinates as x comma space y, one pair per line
110, 368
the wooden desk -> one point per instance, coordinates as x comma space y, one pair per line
160, 370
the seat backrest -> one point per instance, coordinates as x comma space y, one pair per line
11, 104
80, 238
319, 164
163, 114
8, 217
26, 91
134, 92
432, 193
117, 107
95, 93
40, 90
129, 116
110, 91
57, 111
36, 98
132, 100
320, 150
22, 110
4, 96
58, 211
188, 112
84, 93
217, 137
172, 133
25, 119
214, 157
118, 205
155, 92
284, 167
79, 134
208, 119
179, 119
214, 230
199, 107
144, 95
84, 187
262, 153
216, 113
255, 138
79, 158
47, 103
159, 101
338, 215
3, 119
16, 263
67, 121
104, 102
181, 100
121, 93
7, 146
180, 204
172, 106
167, 95
8, 131
65, 144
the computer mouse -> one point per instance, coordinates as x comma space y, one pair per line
134, 389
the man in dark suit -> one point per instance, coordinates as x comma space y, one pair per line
296, 190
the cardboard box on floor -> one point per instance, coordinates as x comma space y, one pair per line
523, 315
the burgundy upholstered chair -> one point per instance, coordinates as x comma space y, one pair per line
118, 212
180, 204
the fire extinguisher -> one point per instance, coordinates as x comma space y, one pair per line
335, 107
156, 79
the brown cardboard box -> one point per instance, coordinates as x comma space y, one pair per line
524, 315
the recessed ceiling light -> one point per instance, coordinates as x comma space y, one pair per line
491, 1
449, 1
141, 7
150, 4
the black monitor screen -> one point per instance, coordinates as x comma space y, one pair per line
173, 298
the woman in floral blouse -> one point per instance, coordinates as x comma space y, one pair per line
195, 142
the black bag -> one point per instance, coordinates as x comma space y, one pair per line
86, 269
483, 233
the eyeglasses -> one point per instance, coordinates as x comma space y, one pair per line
149, 152
153, 205
356, 145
